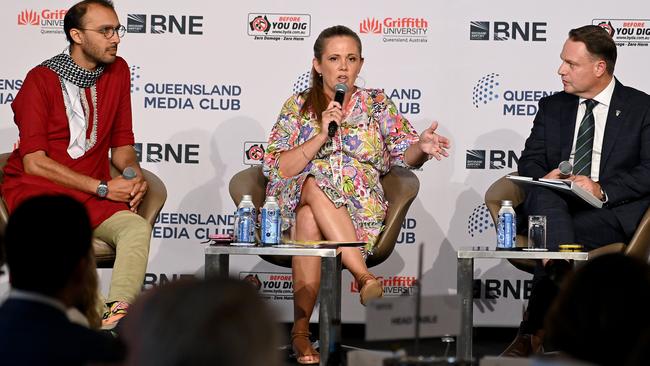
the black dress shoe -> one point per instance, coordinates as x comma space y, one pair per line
524, 345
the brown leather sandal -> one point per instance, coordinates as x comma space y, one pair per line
370, 288
305, 353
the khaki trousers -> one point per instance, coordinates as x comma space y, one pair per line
130, 235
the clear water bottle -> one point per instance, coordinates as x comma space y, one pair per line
506, 226
246, 215
270, 231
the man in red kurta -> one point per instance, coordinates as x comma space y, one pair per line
71, 110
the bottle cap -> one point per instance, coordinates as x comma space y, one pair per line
270, 199
247, 197
506, 203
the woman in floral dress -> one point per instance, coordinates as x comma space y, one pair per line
332, 184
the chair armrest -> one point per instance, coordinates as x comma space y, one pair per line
154, 199
503, 189
400, 186
248, 181
639, 246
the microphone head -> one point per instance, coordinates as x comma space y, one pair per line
565, 168
129, 173
340, 89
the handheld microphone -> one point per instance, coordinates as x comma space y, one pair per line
129, 173
340, 89
565, 169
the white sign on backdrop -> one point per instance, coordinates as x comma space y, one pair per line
209, 78
394, 318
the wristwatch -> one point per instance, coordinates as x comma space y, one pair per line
603, 194
102, 189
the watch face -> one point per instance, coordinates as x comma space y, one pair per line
102, 189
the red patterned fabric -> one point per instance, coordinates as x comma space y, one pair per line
39, 113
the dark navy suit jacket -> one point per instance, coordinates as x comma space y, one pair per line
33, 333
625, 159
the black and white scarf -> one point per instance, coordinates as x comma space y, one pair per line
63, 65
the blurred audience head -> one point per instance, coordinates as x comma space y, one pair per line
602, 310
201, 322
48, 247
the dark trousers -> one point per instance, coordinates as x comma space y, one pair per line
568, 221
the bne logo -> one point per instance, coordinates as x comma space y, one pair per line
159, 24
503, 31
173, 153
499, 159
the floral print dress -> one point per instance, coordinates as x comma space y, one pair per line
372, 138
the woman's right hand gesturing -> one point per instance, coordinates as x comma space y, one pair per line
333, 113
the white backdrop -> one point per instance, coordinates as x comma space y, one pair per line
477, 67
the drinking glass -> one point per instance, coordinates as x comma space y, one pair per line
536, 232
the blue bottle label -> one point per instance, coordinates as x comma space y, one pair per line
270, 225
246, 230
506, 231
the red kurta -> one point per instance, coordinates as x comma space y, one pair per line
39, 113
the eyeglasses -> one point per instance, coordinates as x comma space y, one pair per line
109, 32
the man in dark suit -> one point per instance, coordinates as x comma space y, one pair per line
49, 255
603, 129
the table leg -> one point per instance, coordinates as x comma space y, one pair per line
465, 279
217, 265
330, 309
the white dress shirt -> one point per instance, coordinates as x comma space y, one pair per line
76, 120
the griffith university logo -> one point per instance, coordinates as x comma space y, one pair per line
49, 20
486, 90
479, 221
398, 30
370, 25
28, 17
